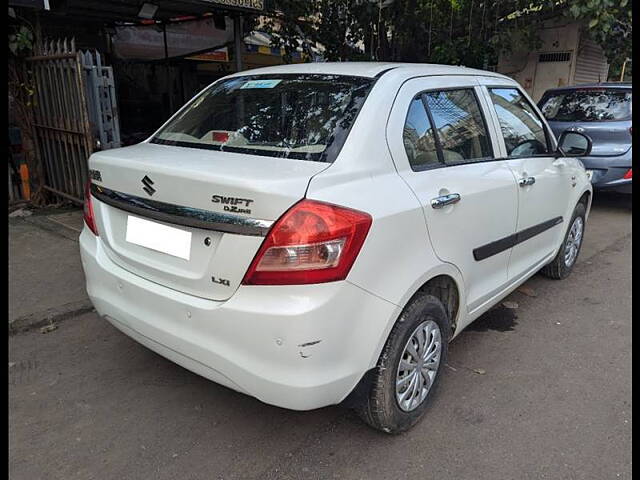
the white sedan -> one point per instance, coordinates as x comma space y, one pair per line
317, 233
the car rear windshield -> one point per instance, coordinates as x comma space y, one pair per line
291, 116
587, 105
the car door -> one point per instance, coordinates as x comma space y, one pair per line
442, 147
544, 181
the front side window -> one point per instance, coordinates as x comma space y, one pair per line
587, 105
291, 116
523, 131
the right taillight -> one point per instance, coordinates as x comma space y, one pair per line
89, 217
313, 242
627, 176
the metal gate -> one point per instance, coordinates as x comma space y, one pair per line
74, 113
60, 119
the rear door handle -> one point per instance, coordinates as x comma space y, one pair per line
525, 181
445, 200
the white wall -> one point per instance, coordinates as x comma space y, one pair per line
558, 35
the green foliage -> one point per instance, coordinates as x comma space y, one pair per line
21, 41
469, 32
615, 71
21, 88
608, 23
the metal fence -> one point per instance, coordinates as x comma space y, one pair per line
60, 119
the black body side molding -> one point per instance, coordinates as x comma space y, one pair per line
493, 248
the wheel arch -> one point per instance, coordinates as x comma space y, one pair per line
444, 288
445, 283
586, 199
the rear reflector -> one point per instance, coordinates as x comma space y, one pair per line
627, 176
313, 242
89, 217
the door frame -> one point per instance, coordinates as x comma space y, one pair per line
486, 84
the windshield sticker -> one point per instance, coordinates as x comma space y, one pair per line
261, 84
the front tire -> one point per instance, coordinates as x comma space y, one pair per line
409, 368
562, 265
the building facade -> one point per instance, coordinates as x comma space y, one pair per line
567, 56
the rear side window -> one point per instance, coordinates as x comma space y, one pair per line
587, 105
445, 128
522, 129
291, 116
419, 141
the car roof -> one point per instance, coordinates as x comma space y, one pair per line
614, 85
368, 69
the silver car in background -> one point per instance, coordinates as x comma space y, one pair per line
603, 112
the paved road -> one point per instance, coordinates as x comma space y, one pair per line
554, 401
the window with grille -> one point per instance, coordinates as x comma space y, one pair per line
554, 57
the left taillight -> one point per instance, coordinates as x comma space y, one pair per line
628, 175
89, 217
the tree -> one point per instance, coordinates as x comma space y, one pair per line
609, 24
469, 32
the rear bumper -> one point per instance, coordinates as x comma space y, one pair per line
297, 347
619, 186
608, 172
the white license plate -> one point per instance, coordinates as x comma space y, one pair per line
156, 236
589, 174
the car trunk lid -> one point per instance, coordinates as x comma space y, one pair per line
220, 203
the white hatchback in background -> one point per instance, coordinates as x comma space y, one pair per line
317, 233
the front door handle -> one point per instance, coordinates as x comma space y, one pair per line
445, 200
525, 181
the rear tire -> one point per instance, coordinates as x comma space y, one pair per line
562, 265
426, 319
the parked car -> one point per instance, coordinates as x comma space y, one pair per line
603, 112
316, 234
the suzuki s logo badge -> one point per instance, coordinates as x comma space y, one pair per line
147, 182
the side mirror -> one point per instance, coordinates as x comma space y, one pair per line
573, 144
